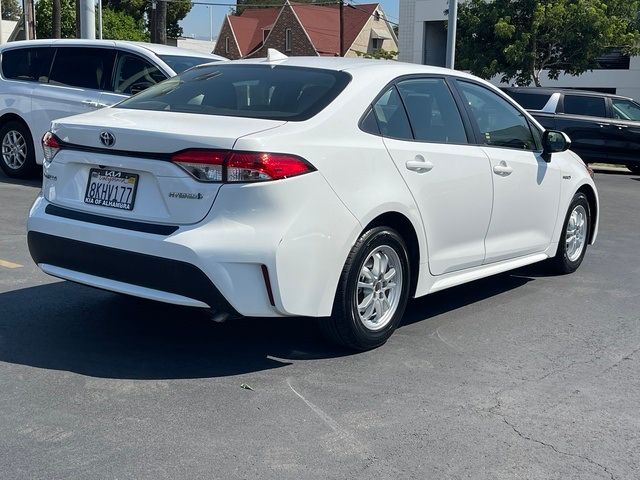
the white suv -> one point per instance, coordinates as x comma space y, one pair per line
44, 80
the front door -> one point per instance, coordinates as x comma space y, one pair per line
526, 189
450, 179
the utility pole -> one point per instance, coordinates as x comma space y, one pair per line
1, 23
27, 14
341, 28
159, 22
99, 19
451, 33
210, 7
87, 19
56, 20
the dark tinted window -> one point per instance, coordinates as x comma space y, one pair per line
369, 123
499, 122
134, 74
179, 64
530, 101
258, 91
30, 64
391, 116
584, 105
82, 67
432, 111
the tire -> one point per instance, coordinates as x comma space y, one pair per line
635, 168
17, 156
347, 326
569, 255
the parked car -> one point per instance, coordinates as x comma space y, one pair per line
322, 187
43, 80
602, 127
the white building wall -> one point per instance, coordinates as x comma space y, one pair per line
413, 14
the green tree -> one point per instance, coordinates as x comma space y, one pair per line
11, 10
116, 25
517, 39
379, 54
140, 10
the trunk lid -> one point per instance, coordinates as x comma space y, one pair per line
162, 192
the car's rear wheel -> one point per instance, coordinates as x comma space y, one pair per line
17, 158
575, 236
372, 293
635, 168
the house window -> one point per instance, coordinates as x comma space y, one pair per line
265, 34
287, 40
376, 43
376, 16
226, 44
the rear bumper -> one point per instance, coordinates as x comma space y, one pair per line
295, 230
120, 270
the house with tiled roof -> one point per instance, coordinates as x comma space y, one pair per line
306, 29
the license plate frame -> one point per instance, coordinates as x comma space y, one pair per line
118, 179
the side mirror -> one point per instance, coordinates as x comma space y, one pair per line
554, 141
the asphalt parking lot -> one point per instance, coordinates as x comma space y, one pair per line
520, 376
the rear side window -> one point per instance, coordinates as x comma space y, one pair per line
391, 116
82, 67
584, 105
432, 111
30, 64
255, 91
530, 101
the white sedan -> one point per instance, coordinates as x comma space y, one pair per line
323, 187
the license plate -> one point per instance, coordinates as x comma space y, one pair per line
111, 188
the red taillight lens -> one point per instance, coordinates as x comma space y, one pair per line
205, 165
229, 166
50, 146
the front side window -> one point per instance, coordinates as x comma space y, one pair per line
626, 110
391, 116
252, 91
432, 111
180, 63
500, 123
133, 74
584, 105
29, 64
82, 67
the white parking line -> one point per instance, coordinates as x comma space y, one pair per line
7, 264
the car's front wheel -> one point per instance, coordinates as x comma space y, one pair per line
575, 236
372, 293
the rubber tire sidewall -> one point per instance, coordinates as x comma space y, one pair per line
29, 167
561, 260
345, 311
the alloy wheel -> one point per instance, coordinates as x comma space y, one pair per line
14, 150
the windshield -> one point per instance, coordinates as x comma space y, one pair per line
254, 91
179, 64
626, 110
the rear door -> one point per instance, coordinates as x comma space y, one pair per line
584, 119
449, 177
526, 189
77, 76
132, 74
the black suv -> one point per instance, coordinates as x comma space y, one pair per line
602, 127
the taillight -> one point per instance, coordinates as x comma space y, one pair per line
50, 145
229, 166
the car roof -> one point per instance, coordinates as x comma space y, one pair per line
569, 91
151, 47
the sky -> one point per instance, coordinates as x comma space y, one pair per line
197, 23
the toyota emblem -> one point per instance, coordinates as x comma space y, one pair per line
107, 139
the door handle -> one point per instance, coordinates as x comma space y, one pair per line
502, 169
419, 164
620, 127
602, 125
89, 103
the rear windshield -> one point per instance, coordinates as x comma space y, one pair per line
530, 101
256, 91
179, 63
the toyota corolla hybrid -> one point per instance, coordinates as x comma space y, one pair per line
322, 187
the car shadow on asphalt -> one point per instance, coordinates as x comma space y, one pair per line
36, 181
68, 327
